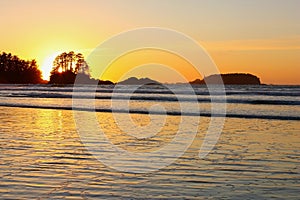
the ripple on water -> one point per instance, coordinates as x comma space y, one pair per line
42, 156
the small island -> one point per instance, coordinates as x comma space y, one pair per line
70, 67
141, 81
229, 79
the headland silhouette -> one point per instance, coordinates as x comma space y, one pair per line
69, 67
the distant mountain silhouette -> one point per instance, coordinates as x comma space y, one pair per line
230, 79
141, 81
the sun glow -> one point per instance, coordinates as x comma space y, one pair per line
47, 65
60, 70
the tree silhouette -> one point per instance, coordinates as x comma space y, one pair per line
66, 66
15, 70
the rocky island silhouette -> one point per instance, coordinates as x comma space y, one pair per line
228, 79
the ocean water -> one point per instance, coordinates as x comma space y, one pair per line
256, 156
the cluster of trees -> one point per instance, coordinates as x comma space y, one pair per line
67, 66
16, 70
70, 66
70, 62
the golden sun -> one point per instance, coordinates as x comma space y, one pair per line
47, 65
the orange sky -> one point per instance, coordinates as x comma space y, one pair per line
259, 36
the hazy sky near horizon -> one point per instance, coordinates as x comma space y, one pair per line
258, 36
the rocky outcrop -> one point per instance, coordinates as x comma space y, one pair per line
136, 81
229, 79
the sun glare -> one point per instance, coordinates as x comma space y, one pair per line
47, 65
60, 70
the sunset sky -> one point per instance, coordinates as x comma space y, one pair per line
258, 36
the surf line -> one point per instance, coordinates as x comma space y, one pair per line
171, 113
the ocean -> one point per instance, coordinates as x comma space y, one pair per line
44, 155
